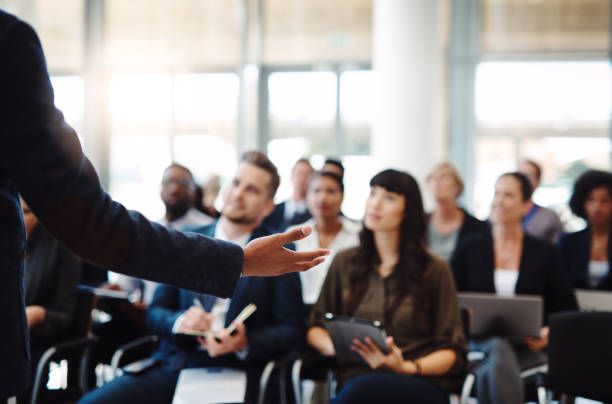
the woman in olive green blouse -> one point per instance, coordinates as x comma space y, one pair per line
390, 277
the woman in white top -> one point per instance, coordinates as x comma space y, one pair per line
329, 229
508, 261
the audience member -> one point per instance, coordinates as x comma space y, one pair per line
587, 253
539, 221
41, 159
293, 211
449, 225
508, 261
272, 330
329, 229
51, 277
391, 277
334, 166
178, 192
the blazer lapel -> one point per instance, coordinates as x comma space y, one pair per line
208, 301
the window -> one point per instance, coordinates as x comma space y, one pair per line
356, 110
303, 105
556, 113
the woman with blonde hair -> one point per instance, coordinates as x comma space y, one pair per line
449, 224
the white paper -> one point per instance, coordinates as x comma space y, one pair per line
210, 385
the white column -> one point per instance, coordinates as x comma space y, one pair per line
406, 132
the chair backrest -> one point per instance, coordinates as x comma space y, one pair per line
580, 354
81, 318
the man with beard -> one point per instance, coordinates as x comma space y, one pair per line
178, 190
271, 331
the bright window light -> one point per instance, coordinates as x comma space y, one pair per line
69, 92
141, 101
303, 97
356, 96
561, 94
202, 98
205, 155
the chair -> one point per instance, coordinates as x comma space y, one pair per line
143, 347
132, 351
310, 365
580, 355
75, 349
530, 370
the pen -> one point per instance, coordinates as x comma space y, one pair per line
197, 302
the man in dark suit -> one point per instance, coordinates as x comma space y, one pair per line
273, 329
51, 278
41, 159
293, 211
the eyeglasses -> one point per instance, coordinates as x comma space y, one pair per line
183, 183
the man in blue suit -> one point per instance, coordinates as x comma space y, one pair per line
293, 211
41, 159
272, 330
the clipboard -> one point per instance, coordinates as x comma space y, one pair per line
343, 329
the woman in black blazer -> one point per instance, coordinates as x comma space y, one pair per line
507, 261
587, 253
449, 225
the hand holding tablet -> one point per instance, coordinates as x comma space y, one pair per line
344, 330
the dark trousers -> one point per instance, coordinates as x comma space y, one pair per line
156, 386
390, 388
498, 377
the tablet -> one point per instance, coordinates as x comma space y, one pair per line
515, 316
343, 329
594, 300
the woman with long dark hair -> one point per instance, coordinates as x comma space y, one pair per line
391, 277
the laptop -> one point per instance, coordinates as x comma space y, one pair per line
515, 316
594, 300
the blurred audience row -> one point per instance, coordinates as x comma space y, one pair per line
399, 266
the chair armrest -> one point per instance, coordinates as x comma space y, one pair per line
131, 346
63, 348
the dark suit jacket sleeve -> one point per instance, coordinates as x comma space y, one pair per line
288, 329
42, 157
163, 311
559, 293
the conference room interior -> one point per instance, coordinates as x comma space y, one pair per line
375, 84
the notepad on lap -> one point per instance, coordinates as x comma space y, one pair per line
240, 318
210, 385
